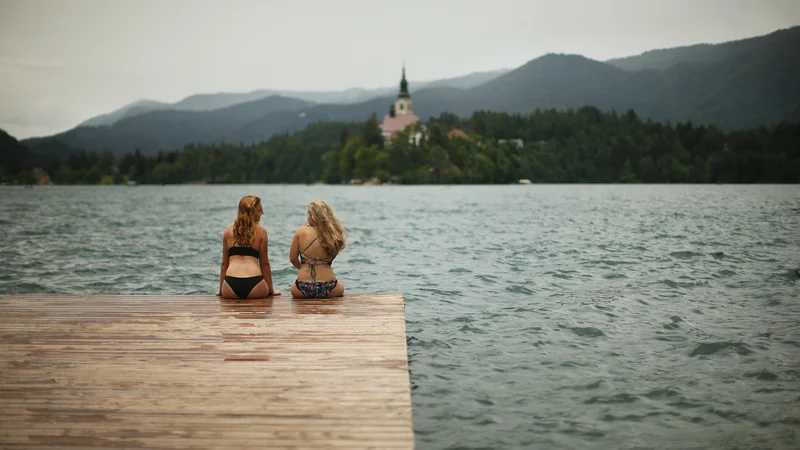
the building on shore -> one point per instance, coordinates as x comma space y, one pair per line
401, 115
517, 142
455, 133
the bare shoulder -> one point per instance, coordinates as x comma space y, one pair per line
261, 231
228, 231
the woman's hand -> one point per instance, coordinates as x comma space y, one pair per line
275, 293
219, 293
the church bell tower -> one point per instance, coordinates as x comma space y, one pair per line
403, 104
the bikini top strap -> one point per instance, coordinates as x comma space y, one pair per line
311, 243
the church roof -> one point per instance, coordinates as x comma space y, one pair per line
398, 123
404, 85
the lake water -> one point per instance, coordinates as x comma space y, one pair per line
575, 316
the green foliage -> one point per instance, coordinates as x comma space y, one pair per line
372, 132
626, 173
573, 146
14, 157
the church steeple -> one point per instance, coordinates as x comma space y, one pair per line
402, 104
404, 85
401, 114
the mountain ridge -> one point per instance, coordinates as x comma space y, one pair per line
218, 100
665, 58
750, 86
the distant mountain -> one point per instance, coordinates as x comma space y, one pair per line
552, 81
663, 59
748, 88
132, 109
208, 102
463, 82
13, 155
761, 86
169, 129
198, 102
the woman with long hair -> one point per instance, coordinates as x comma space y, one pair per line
245, 271
314, 247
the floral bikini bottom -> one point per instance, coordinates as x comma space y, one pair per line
316, 289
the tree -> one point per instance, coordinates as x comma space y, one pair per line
347, 158
584, 145
372, 132
626, 174
648, 172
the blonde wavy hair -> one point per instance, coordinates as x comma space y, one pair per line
244, 227
330, 230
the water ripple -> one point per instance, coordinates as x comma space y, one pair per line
537, 316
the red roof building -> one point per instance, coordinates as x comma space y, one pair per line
456, 133
397, 124
401, 113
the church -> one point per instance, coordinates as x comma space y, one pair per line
401, 114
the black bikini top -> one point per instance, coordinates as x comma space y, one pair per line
243, 251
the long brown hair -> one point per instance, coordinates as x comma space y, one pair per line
244, 227
330, 230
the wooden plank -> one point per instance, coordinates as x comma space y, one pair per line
80, 371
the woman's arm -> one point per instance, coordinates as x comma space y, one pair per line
224, 266
294, 250
266, 269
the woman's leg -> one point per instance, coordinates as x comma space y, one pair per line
296, 292
338, 291
227, 291
261, 290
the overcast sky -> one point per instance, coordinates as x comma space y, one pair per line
63, 61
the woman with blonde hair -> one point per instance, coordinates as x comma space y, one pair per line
321, 241
245, 271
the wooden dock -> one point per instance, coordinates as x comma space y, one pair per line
199, 372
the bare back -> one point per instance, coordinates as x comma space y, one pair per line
309, 247
241, 265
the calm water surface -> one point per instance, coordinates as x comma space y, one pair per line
545, 317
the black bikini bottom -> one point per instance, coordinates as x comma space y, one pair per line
242, 286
